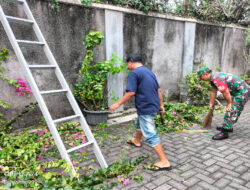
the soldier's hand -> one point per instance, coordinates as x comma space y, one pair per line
228, 108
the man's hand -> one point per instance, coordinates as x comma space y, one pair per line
228, 107
212, 98
161, 110
114, 107
124, 99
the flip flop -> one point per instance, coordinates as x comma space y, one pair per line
157, 168
133, 144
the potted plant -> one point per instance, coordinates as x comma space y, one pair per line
90, 91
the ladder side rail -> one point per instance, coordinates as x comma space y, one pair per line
96, 148
34, 88
52, 60
83, 122
64, 85
39, 34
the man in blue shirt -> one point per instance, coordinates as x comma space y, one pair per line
143, 84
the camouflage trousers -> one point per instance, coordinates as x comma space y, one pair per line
239, 100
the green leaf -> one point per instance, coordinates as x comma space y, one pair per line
48, 175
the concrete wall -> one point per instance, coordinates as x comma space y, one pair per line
208, 45
171, 47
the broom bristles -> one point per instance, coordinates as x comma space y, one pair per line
207, 123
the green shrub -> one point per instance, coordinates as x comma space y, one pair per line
198, 90
90, 91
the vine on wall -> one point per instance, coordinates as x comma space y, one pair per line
22, 89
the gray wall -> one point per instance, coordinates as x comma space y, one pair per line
171, 47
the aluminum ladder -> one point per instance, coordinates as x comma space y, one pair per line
38, 94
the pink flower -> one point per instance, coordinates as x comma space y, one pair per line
29, 91
121, 125
109, 182
62, 173
133, 135
84, 141
174, 113
20, 80
181, 121
44, 148
1, 149
42, 169
80, 151
46, 143
74, 163
199, 87
23, 89
3, 181
176, 117
126, 181
87, 173
39, 157
40, 133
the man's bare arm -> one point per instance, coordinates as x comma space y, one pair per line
212, 98
162, 110
124, 99
228, 98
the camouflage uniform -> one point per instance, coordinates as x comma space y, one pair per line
239, 91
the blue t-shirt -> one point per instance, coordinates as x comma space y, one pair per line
143, 82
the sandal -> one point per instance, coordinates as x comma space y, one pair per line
133, 144
158, 168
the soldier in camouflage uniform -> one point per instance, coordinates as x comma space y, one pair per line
235, 90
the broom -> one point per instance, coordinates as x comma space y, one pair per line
207, 123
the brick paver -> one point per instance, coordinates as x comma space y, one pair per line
198, 161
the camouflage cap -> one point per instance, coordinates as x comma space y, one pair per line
202, 70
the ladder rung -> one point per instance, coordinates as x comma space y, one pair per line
66, 118
78, 147
22, 20
30, 42
41, 66
53, 91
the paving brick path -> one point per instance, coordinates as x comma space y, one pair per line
198, 161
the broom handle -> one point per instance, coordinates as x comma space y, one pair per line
219, 102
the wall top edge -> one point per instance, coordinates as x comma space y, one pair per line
152, 14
